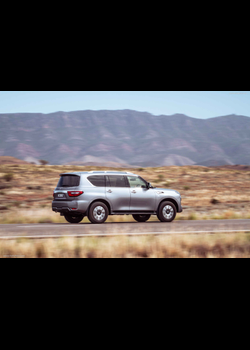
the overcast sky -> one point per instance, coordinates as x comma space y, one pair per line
197, 104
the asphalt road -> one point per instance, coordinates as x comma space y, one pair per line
124, 228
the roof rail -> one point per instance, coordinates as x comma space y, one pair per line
109, 172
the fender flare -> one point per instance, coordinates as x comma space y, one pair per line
104, 201
169, 199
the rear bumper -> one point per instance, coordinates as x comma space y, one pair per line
64, 206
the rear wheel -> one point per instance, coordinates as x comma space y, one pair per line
73, 219
141, 218
98, 213
166, 212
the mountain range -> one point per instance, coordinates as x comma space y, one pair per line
125, 138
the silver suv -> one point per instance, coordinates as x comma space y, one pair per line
97, 194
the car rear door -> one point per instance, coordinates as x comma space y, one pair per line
118, 192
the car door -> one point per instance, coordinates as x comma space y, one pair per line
142, 198
118, 192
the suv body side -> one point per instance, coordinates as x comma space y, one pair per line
120, 200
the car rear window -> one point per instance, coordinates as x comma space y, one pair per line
69, 181
98, 181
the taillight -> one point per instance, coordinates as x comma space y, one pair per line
75, 193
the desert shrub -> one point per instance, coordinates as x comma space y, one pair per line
140, 169
40, 251
186, 188
34, 188
8, 177
2, 207
3, 187
192, 216
214, 201
43, 162
219, 250
200, 250
45, 220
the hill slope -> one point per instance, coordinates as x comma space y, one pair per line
11, 160
126, 137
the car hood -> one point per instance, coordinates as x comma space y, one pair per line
166, 190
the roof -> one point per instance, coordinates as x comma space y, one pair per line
99, 173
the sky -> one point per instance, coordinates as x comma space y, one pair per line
196, 104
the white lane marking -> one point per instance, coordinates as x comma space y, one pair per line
124, 234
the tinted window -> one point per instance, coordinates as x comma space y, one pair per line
116, 181
98, 181
69, 181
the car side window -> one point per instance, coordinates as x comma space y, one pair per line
116, 181
98, 181
136, 182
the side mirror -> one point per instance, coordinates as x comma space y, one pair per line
149, 185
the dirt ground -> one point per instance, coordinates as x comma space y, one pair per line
26, 191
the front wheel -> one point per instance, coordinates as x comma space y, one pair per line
166, 212
98, 213
141, 218
73, 219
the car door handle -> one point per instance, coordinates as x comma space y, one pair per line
109, 191
134, 191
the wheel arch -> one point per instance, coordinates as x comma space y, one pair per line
104, 201
169, 200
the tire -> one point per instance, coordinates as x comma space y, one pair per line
141, 218
98, 213
166, 212
73, 219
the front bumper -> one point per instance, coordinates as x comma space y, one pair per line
180, 209
180, 206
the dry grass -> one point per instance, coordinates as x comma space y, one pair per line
187, 246
26, 194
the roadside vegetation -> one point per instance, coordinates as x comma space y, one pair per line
186, 246
207, 193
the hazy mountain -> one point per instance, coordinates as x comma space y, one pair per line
125, 137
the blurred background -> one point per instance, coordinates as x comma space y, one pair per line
196, 142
